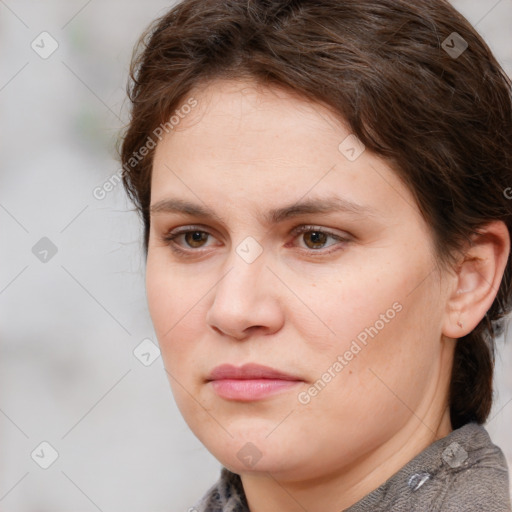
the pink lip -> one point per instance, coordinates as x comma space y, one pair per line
248, 371
249, 382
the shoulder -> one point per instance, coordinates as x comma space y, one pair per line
474, 475
476, 489
462, 472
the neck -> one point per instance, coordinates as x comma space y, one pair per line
341, 489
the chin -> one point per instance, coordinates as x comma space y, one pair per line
261, 466
245, 453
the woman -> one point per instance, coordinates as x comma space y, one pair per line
327, 232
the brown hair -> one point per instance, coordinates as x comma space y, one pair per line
391, 70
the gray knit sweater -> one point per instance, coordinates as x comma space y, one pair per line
463, 472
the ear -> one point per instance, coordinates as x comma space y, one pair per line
477, 279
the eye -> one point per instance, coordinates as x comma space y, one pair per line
316, 237
194, 237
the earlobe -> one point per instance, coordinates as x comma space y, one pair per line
477, 279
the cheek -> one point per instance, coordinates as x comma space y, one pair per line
379, 380
173, 304
174, 311
160, 301
387, 333
390, 360
170, 293
355, 301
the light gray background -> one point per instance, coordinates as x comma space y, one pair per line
68, 327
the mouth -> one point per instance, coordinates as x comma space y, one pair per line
249, 382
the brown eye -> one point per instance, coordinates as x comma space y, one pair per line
187, 241
315, 238
318, 239
183, 240
195, 238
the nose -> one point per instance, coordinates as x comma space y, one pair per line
245, 300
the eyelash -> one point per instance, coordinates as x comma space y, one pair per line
170, 238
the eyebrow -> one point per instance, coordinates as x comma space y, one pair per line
274, 216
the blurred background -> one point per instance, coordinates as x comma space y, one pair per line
87, 419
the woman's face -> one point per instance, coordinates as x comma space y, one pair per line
351, 309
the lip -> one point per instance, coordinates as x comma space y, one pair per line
249, 382
248, 371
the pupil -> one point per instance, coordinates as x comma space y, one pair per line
315, 237
194, 237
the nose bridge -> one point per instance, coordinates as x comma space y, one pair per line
245, 265
237, 296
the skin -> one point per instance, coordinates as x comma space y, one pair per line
243, 151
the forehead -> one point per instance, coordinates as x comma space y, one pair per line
253, 120
246, 144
